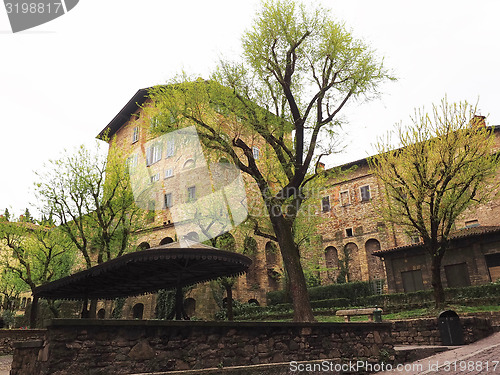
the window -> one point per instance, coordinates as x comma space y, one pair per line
412, 281
365, 193
256, 153
457, 275
169, 172
155, 177
344, 198
325, 204
170, 148
132, 162
191, 193
471, 223
493, 264
135, 136
155, 121
168, 200
348, 232
153, 154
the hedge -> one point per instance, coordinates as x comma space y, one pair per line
361, 294
350, 291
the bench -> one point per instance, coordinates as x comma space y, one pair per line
357, 312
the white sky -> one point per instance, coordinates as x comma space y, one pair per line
62, 82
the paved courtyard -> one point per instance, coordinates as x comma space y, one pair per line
481, 357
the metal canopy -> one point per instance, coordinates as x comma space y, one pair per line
170, 266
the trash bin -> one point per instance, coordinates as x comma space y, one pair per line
377, 315
450, 328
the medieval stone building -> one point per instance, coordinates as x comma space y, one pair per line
389, 256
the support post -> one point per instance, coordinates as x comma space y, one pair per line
34, 311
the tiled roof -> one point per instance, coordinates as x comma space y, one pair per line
459, 234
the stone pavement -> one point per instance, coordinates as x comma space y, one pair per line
5, 361
481, 357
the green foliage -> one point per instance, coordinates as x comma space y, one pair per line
118, 308
165, 301
90, 198
351, 291
35, 254
298, 70
8, 317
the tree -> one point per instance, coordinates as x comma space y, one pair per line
445, 165
89, 197
34, 254
298, 70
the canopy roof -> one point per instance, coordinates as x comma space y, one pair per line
164, 267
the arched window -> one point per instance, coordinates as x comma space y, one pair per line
137, 311
254, 302
166, 240
101, 314
351, 260
192, 236
143, 246
190, 306
375, 264
273, 275
189, 164
332, 262
250, 250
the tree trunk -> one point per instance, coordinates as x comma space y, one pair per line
302, 311
436, 282
229, 295
93, 309
34, 311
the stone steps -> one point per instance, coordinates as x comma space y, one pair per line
412, 353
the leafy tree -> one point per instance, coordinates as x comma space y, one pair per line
298, 70
34, 254
445, 165
11, 286
89, 197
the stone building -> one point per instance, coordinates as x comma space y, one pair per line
179, 168
384, 253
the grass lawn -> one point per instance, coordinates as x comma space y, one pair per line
417, 313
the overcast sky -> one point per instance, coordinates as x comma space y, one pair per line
62, 82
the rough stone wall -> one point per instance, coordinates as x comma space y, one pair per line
127, 347
9, 336
426, 331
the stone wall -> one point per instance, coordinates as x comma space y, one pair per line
426, 331
9, 336
119, 347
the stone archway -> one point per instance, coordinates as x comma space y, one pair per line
351, 254
166, 240
375, 265
332, 262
